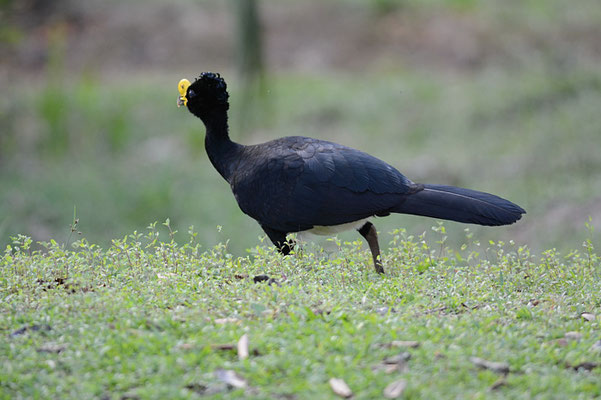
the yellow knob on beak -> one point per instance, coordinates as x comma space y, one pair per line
182, 88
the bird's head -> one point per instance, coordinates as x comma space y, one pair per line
208, 93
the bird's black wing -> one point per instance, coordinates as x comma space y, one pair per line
295, 183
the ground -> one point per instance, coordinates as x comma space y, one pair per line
146, 319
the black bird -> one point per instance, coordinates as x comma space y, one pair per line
298, 183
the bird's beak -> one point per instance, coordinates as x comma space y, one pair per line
182, 88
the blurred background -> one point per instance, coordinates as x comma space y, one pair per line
502, 96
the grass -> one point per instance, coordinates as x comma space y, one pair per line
146, 318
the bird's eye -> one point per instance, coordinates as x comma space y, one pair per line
191, 93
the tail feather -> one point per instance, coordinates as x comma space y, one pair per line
461, 205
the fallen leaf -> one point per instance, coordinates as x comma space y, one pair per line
209, 389
166, 275
572, 335
231, 378
398, 359
224, 347
587, 365
560, 342
498, 367
263, 278
384, 310
243, 347
588, 316
390, 368
260, 278
230, 320
340, 388
405, 343
32, 328
394, 363
197, 387
395, 389
498, 384
52, 348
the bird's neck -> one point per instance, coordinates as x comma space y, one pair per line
222, 152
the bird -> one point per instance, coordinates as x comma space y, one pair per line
296, 183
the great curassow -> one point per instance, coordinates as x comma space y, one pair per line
297, 183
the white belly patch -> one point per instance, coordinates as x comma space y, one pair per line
331, 230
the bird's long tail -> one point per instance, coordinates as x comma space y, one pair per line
461, 205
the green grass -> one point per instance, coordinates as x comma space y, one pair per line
145, 319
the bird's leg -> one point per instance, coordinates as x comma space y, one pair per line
368, 231
278, 238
